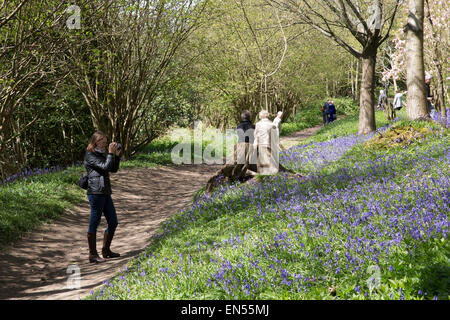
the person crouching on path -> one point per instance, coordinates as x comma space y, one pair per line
266, 144
98, 166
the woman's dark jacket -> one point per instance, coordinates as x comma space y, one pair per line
98, 166
243, 135
331, 109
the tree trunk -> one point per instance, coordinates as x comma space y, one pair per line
415, 74
366, 101
355, 98
437, 57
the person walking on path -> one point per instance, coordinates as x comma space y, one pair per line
331, 112
430, 107
398, 99
98, 166
325, 112
381, 100
266, 145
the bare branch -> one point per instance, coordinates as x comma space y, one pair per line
391, 23
4, 20
285, 47
360, 18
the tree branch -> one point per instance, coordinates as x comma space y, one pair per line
5, 20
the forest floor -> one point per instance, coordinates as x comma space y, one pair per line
44, 264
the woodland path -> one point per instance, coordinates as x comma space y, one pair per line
38, 266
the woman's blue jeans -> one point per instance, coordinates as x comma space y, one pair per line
102, 203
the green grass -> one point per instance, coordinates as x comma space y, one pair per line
28, 203
154, 154
346, 126
349, 125
159, 151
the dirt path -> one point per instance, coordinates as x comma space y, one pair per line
41, 265
289, 141
36, 267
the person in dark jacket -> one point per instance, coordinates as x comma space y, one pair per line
331, 112
325, 110
98, 165
243, 150
243, 126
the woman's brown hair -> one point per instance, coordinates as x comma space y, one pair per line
98, 135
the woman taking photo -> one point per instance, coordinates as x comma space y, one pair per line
99, 164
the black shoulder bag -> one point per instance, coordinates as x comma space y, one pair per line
83, 182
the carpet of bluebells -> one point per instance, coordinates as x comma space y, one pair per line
359, 224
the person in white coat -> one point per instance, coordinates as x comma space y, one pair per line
398, 99
277, 122
266, 144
